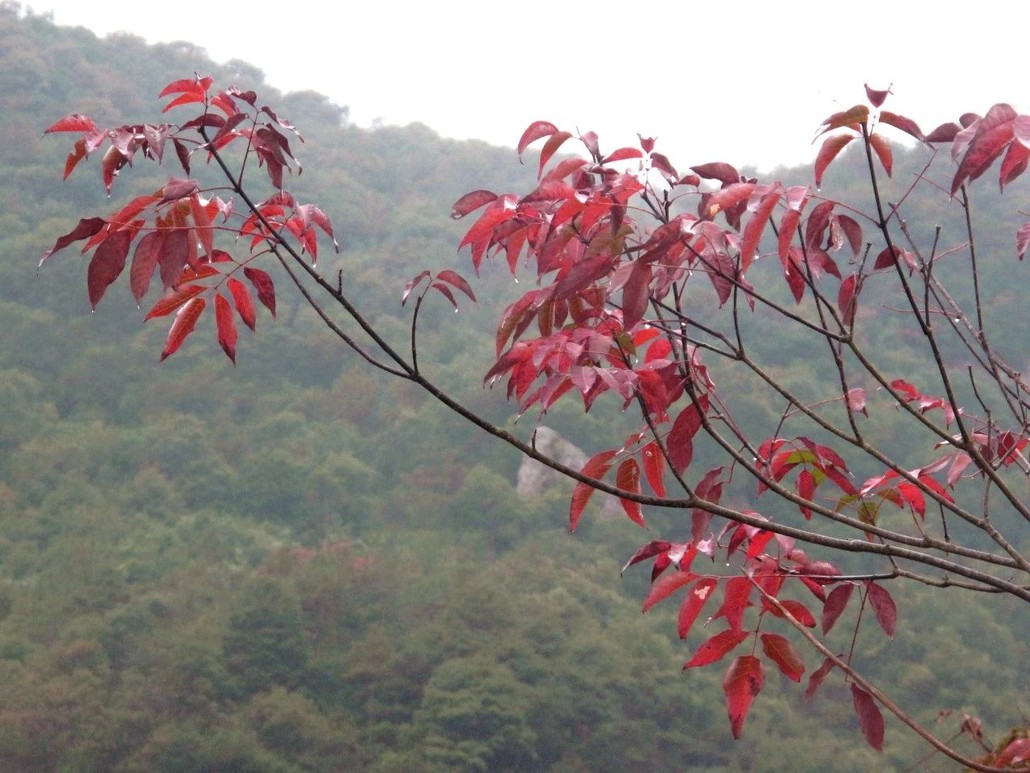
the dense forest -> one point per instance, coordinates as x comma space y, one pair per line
295, 565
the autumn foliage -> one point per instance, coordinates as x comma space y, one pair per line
657, 288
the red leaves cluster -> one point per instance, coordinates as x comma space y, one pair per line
761, 585
174, 229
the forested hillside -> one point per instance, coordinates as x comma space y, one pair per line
295, 565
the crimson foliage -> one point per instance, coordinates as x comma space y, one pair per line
659, 288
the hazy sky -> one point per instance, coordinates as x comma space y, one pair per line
744, 82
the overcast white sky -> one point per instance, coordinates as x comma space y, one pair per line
744, 82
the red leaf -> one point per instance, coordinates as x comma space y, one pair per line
883, 152
876, 97
470, 202
457, 281
622, 154
724, 173
846, 301
85, 229
836, 601
693, 603
755, 226
735, 602
817, 678
107, 263
184, 324
627, 478
73, 123
1017, 751
883, 606
869, 717
649, 550
727, 198
596, 467
743, 681
636, 294
225, 323
993, 133
716, 648
851, 117
144, 261
263, 285
666, 586
798, 611
1014, 163
829, 150
779, 651
654, 467
680, 439
244, 303
906, 125
174, 300
535, 131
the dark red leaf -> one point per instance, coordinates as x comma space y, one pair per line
906, 125
946, 132
869, 717
846, 299
724, 173
225, 324
836, 601
86, 228
716, 648
884, 607
107, 264
470, 202
144, 262
457, 281
798, 611
743, 681
264, 286
651, 549
817, 678
412, 283
876, 97
779, 651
